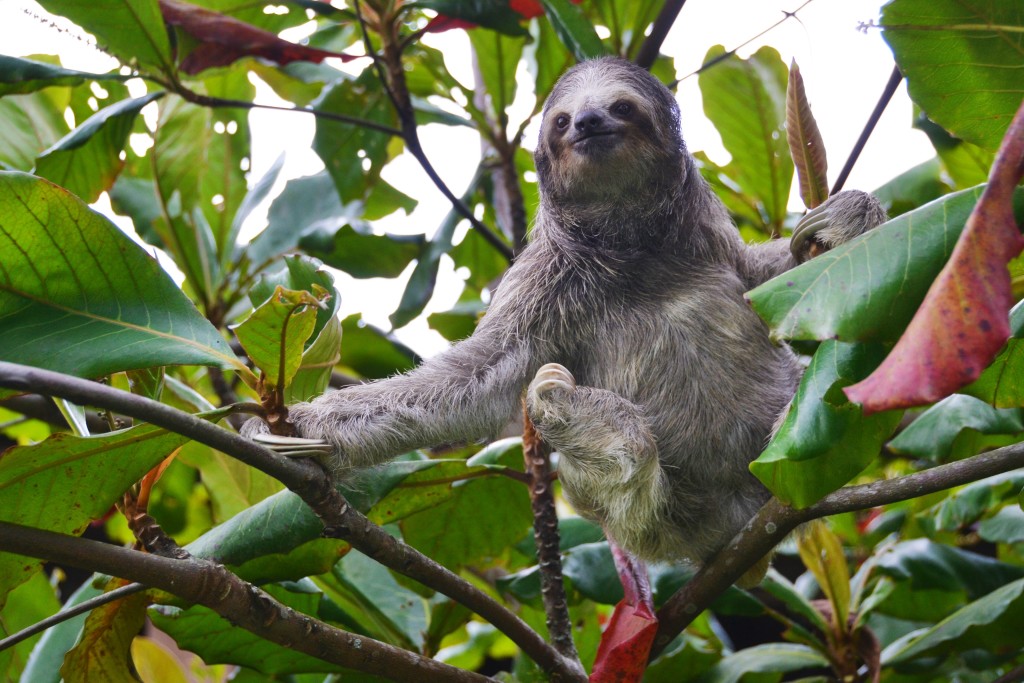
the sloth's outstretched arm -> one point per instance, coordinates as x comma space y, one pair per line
468, 392
608, 460
839, 219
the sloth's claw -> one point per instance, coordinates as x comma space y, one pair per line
294, 446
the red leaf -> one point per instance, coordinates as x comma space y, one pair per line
626, 643
964, 319
224, 40
528, 8
442, 23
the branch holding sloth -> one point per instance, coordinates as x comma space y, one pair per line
624, 323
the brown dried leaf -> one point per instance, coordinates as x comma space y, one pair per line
964, 319
805, 143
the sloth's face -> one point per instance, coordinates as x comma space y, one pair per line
607, 125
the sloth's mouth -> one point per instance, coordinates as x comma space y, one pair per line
584, 137
597, 142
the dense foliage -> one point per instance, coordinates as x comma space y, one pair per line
918, 579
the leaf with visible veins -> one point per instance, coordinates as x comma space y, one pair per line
805, 143
963, 322
223, 40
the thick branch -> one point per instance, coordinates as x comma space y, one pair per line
659, 29
545, 532
307, 480
206, 583
774, 521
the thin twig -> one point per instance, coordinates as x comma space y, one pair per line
71, 613
659, 29
209, 584
537, 456
775, 521
310, 483
394, 84
720, 58
1012, 676
883, 101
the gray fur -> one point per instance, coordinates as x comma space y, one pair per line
665, 384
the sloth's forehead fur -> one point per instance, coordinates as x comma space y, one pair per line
600, 83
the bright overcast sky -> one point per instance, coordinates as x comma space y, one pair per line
845, 67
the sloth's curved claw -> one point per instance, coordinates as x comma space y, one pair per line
294, 446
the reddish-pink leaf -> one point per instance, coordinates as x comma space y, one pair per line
626, 643
442, 23
224, 40
964, 319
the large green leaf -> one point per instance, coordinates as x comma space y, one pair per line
969, 504
132, 30
65, 482
962, 62
28, 604
498, 16
825, 440
274, 335
869, 288
29, 124
932, 566
1001, 384
774, 658
370, 352
359, 254
574, 29
958, 427
88, 159
746, 100
992, 624
77, 296
481, 519
20, 75
497, 58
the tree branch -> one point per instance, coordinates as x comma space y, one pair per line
659, 29
869, 127
537, 456
775, 521
394, 84
211, 585
310, 483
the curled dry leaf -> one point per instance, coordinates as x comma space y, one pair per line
964, 319
223, 40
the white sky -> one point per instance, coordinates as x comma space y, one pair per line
844, 70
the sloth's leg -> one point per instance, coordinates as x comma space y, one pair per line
608, 460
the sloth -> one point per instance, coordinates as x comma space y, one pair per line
624, 324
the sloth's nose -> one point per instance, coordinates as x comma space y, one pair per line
589, 121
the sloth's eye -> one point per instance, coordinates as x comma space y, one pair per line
623, 108
562, 121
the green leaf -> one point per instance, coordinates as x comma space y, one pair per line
1006, 526
825, 440
1001, 384
88, 159
102, 653
274, 335
913, 188
497, 58
482, 518
575, 30
29, 124
132, 30
773, 658
869, 288
746, 100
992, 624
961, 62
966, 164
202, 631
423, 490
489, 14
958, 427
29, 603
252, 199
69, 274
970, 503
86, 474
19, 75
933, 566
232, 485
362, 255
